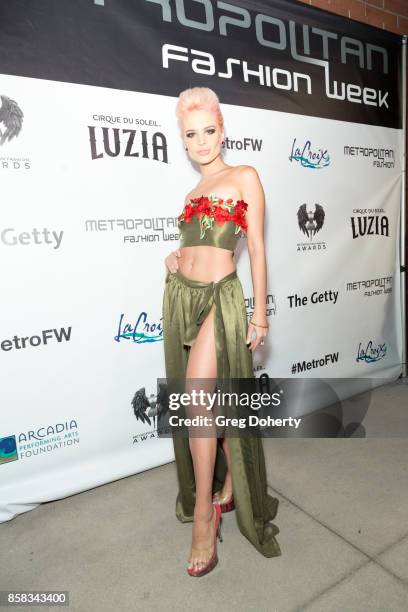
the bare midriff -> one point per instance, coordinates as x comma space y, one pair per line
207, 264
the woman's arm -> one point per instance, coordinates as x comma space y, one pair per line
171, 259
253, 193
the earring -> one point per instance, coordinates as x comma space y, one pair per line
186, 148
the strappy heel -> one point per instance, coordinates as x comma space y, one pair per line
214, 559
226, 503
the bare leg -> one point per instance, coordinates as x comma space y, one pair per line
226, 489
202, 363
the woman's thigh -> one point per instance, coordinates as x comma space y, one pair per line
202, 358
201, 371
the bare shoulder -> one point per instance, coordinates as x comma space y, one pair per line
248, 180
247, 175
245, 169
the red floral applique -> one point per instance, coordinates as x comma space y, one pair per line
188, 213
203, 207
221, 215
213, 209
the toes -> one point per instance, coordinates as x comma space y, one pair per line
197, 564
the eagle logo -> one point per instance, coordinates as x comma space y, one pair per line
156, 405
310, 221
11, 116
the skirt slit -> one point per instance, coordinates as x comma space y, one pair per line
186, 303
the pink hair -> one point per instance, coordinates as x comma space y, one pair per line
199, 98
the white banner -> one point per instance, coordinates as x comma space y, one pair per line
92, 184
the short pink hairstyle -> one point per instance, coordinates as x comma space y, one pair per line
199, 98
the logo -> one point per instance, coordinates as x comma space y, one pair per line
141, 332
138, 230
373, 286
371, 352
11, 119
126, 142
8, 449
315, 298
381, 158
12, 237
287, 44
23, 342
307, 157
148, 410
245, 144
369, 224
270, 302
304, 366
310, 221
11, 122
36, 442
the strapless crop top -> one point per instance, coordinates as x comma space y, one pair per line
212, 221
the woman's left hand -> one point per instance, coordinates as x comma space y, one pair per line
261, 333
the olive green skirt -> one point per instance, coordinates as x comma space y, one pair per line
186, 302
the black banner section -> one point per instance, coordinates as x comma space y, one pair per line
278, 54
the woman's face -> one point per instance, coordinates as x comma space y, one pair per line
202, 135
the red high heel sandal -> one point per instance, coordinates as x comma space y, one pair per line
226, 503
214, 559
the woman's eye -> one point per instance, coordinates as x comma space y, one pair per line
210, 131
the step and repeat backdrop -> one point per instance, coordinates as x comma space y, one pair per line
93, 174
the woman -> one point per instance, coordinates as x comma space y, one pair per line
206, 333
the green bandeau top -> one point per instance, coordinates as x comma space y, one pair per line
212, 221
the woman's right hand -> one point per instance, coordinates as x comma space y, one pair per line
171, 261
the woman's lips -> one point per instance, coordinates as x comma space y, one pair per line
204, 152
